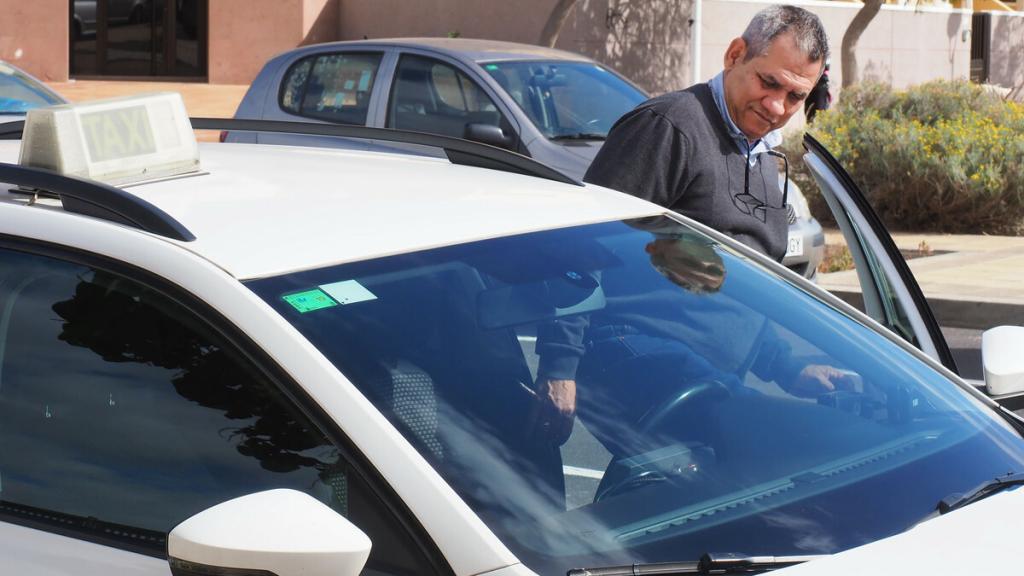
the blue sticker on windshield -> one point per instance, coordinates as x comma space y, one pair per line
348, 292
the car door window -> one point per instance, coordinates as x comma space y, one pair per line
331, 87
892, 310
122, 413
434, 97
890, 293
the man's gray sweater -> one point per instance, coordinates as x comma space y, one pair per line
675, 150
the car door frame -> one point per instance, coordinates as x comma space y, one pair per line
464, 544
277, 374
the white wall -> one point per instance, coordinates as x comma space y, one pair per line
647, 40
902, 46
1006, 49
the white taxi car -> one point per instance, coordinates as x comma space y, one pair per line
242, 359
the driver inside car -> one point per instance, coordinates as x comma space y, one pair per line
633, 368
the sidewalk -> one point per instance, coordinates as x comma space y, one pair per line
972, 282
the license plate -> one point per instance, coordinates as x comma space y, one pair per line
795, 247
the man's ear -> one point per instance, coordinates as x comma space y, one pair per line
735, 53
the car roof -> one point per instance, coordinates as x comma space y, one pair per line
477, 50
263, 210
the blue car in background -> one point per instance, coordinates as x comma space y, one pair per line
552, 105
21, 92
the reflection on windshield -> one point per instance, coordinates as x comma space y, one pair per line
567, 100
714, 401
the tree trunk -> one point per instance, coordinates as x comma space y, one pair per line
556, 19
849, 49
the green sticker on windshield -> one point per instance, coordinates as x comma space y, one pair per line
309, 300
491, 67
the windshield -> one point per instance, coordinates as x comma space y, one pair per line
19, 93
567, 99
696, 428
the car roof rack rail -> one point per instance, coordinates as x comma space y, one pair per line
95, 199
458, 151
12, 130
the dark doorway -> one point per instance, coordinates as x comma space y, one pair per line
981, 38
138, 38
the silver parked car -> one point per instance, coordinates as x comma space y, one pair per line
554, 106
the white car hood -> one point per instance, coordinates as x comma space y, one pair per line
982, 538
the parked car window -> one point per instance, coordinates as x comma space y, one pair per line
566, 98
294, 86
431, 96
122, 414
895, 315
332, 87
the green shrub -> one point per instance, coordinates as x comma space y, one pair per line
940, 157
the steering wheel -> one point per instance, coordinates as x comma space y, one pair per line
706, 389
629, 483
640, 476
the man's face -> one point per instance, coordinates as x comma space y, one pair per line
762, 93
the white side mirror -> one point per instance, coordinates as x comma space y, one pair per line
282, 532
1002, 355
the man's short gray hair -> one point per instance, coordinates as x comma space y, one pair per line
779, 19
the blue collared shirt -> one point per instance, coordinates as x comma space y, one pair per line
769, 141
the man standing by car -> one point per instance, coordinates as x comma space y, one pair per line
701, 152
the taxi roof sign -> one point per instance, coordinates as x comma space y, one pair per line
117, 141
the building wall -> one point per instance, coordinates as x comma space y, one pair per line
902, 46
320, 21
244, 34
519, 21
1006, 45
648, 40
33, 39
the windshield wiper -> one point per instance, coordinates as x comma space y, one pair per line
708, 564
997, 484
581, 136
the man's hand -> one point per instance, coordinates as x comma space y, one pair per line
554, 410
816, 379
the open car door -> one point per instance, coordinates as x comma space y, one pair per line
891, 294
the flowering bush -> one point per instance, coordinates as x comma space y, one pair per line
940, 157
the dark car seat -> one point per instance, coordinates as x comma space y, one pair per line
406, 393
